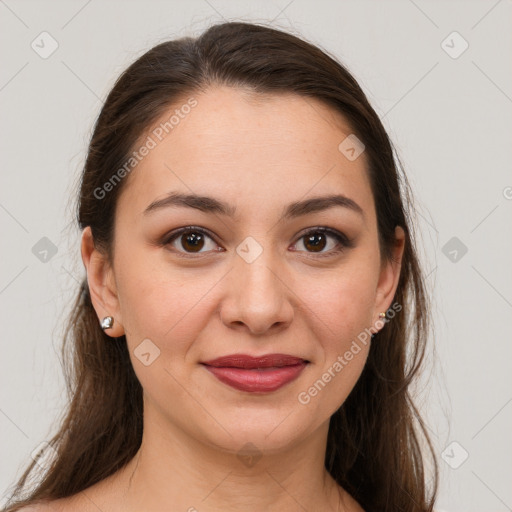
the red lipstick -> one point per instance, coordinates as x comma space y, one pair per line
256, 374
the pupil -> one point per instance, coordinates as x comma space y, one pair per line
314, 241
193, 241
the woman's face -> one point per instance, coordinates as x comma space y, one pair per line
254, 276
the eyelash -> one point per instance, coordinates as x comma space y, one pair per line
343, 242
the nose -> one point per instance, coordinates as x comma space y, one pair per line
258, 298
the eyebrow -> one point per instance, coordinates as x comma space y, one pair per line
293, 210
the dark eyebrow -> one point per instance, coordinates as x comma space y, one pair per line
203, 203
318, 204
293, 210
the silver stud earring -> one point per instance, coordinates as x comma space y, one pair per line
107, 322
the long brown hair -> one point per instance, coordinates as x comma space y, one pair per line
374, 447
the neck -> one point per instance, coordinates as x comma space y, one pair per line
174, 469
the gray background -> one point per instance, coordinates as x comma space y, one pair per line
448, 114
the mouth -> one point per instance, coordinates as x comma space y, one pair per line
261, 374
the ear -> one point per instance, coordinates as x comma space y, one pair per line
389, 275
102, 286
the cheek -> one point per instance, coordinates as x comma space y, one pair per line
343, 313
160, 302
343, 303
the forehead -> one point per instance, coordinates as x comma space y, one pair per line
247, 147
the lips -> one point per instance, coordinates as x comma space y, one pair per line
256, 374
250, 362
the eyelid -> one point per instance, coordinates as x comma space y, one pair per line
168, 237
176, 231
341, 238
343, 241
329, 231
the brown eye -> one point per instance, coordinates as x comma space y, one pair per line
191, 240
318, 239
315, 242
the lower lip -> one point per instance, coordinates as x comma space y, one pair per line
257, 381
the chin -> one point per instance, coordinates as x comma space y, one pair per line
270, 429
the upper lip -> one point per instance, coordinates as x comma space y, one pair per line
249, 362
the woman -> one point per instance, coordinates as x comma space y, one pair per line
252, 288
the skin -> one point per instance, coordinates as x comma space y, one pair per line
256, 153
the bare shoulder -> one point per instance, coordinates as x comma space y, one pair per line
47, 506
60, 505
99, 496
102, 495
39, 507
